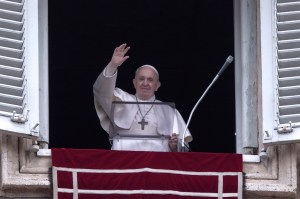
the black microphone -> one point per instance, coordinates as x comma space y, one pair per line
225, 65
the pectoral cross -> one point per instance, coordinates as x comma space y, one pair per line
143, 123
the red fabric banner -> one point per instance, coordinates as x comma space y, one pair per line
91, 174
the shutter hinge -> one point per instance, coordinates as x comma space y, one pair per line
284, 128
19, 118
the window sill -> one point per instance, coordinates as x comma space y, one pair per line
246, 158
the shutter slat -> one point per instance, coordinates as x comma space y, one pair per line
288, 34
12, 25
11, 108
288, 7
11, 5
289, 91
10, 52
11, 34
289, 81
288, 63
289, 53
289, 110
11, 90
11, 15
289, 100
10, 71
288, 44
12, 62
289, 72
12, 81
11, 99
288, 16
287, 118
16, 1
11, 43
288, 25
286, 1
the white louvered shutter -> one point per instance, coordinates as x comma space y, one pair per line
287, 126
19, 90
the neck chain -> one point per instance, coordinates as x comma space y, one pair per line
143, 122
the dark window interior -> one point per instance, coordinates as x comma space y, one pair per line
186, 40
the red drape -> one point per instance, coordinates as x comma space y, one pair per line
93, 174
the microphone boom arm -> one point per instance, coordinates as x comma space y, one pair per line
228, 61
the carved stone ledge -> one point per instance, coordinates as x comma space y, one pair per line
23, 174
278, 179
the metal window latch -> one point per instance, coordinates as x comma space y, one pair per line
267, 135
285, 128
19, 118
34, 128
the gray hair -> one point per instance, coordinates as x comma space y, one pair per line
149, 66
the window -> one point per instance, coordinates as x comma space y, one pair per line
23, 69
151, 29
24, 64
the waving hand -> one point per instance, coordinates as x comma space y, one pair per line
118, 58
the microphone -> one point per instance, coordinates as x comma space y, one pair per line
225, 65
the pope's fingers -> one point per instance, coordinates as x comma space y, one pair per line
122, 46
125, 58
173, 140
126, 50
121, 50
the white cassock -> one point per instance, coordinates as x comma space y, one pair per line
161, 120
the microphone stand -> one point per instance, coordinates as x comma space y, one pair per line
227, 62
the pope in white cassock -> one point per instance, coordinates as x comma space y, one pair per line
141, 118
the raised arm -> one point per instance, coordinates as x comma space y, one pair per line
118, 58
104, 86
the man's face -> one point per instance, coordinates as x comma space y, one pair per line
146, 83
